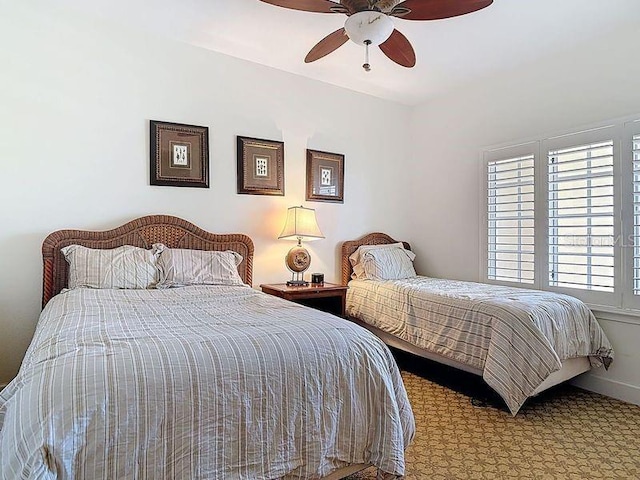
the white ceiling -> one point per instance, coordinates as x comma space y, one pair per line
450, 52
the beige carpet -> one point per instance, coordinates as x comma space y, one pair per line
567, 433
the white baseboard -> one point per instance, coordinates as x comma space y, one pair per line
610, 388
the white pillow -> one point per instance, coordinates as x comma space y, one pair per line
181, 267
387, 264
123, 267
357, 257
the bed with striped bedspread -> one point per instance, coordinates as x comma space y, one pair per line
515, 336
199, 382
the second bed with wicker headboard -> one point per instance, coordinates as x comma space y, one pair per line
426, 316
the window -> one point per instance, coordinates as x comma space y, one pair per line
635, 152
563, 214
581, 217
510, 209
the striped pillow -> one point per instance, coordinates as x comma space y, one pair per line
387, 264
356, 257
181, 267
123, 267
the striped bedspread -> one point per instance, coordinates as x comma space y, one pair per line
516, 337
199, 383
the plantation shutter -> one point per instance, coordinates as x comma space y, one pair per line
635, 151
510, 219
581, 216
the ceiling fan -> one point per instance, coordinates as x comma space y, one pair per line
370, 23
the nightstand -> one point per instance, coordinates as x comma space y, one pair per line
327, 297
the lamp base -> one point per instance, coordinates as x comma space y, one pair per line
298, 261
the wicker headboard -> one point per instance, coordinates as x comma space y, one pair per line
351, 246
142, 232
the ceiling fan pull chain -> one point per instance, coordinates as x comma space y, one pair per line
366, 66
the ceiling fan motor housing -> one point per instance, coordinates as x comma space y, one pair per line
369, 26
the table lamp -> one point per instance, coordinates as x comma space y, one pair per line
301, 224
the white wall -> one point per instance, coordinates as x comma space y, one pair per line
589, 84
76, 96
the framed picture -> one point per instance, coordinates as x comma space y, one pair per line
179, 155
325, 176
260, 166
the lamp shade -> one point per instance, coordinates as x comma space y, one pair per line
369, 26
301, 224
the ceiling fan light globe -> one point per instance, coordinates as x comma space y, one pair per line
369, 26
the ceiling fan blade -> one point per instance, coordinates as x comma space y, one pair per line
328, 44
437, 9
398, 49
318, 6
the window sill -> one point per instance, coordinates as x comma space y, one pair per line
615, 314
